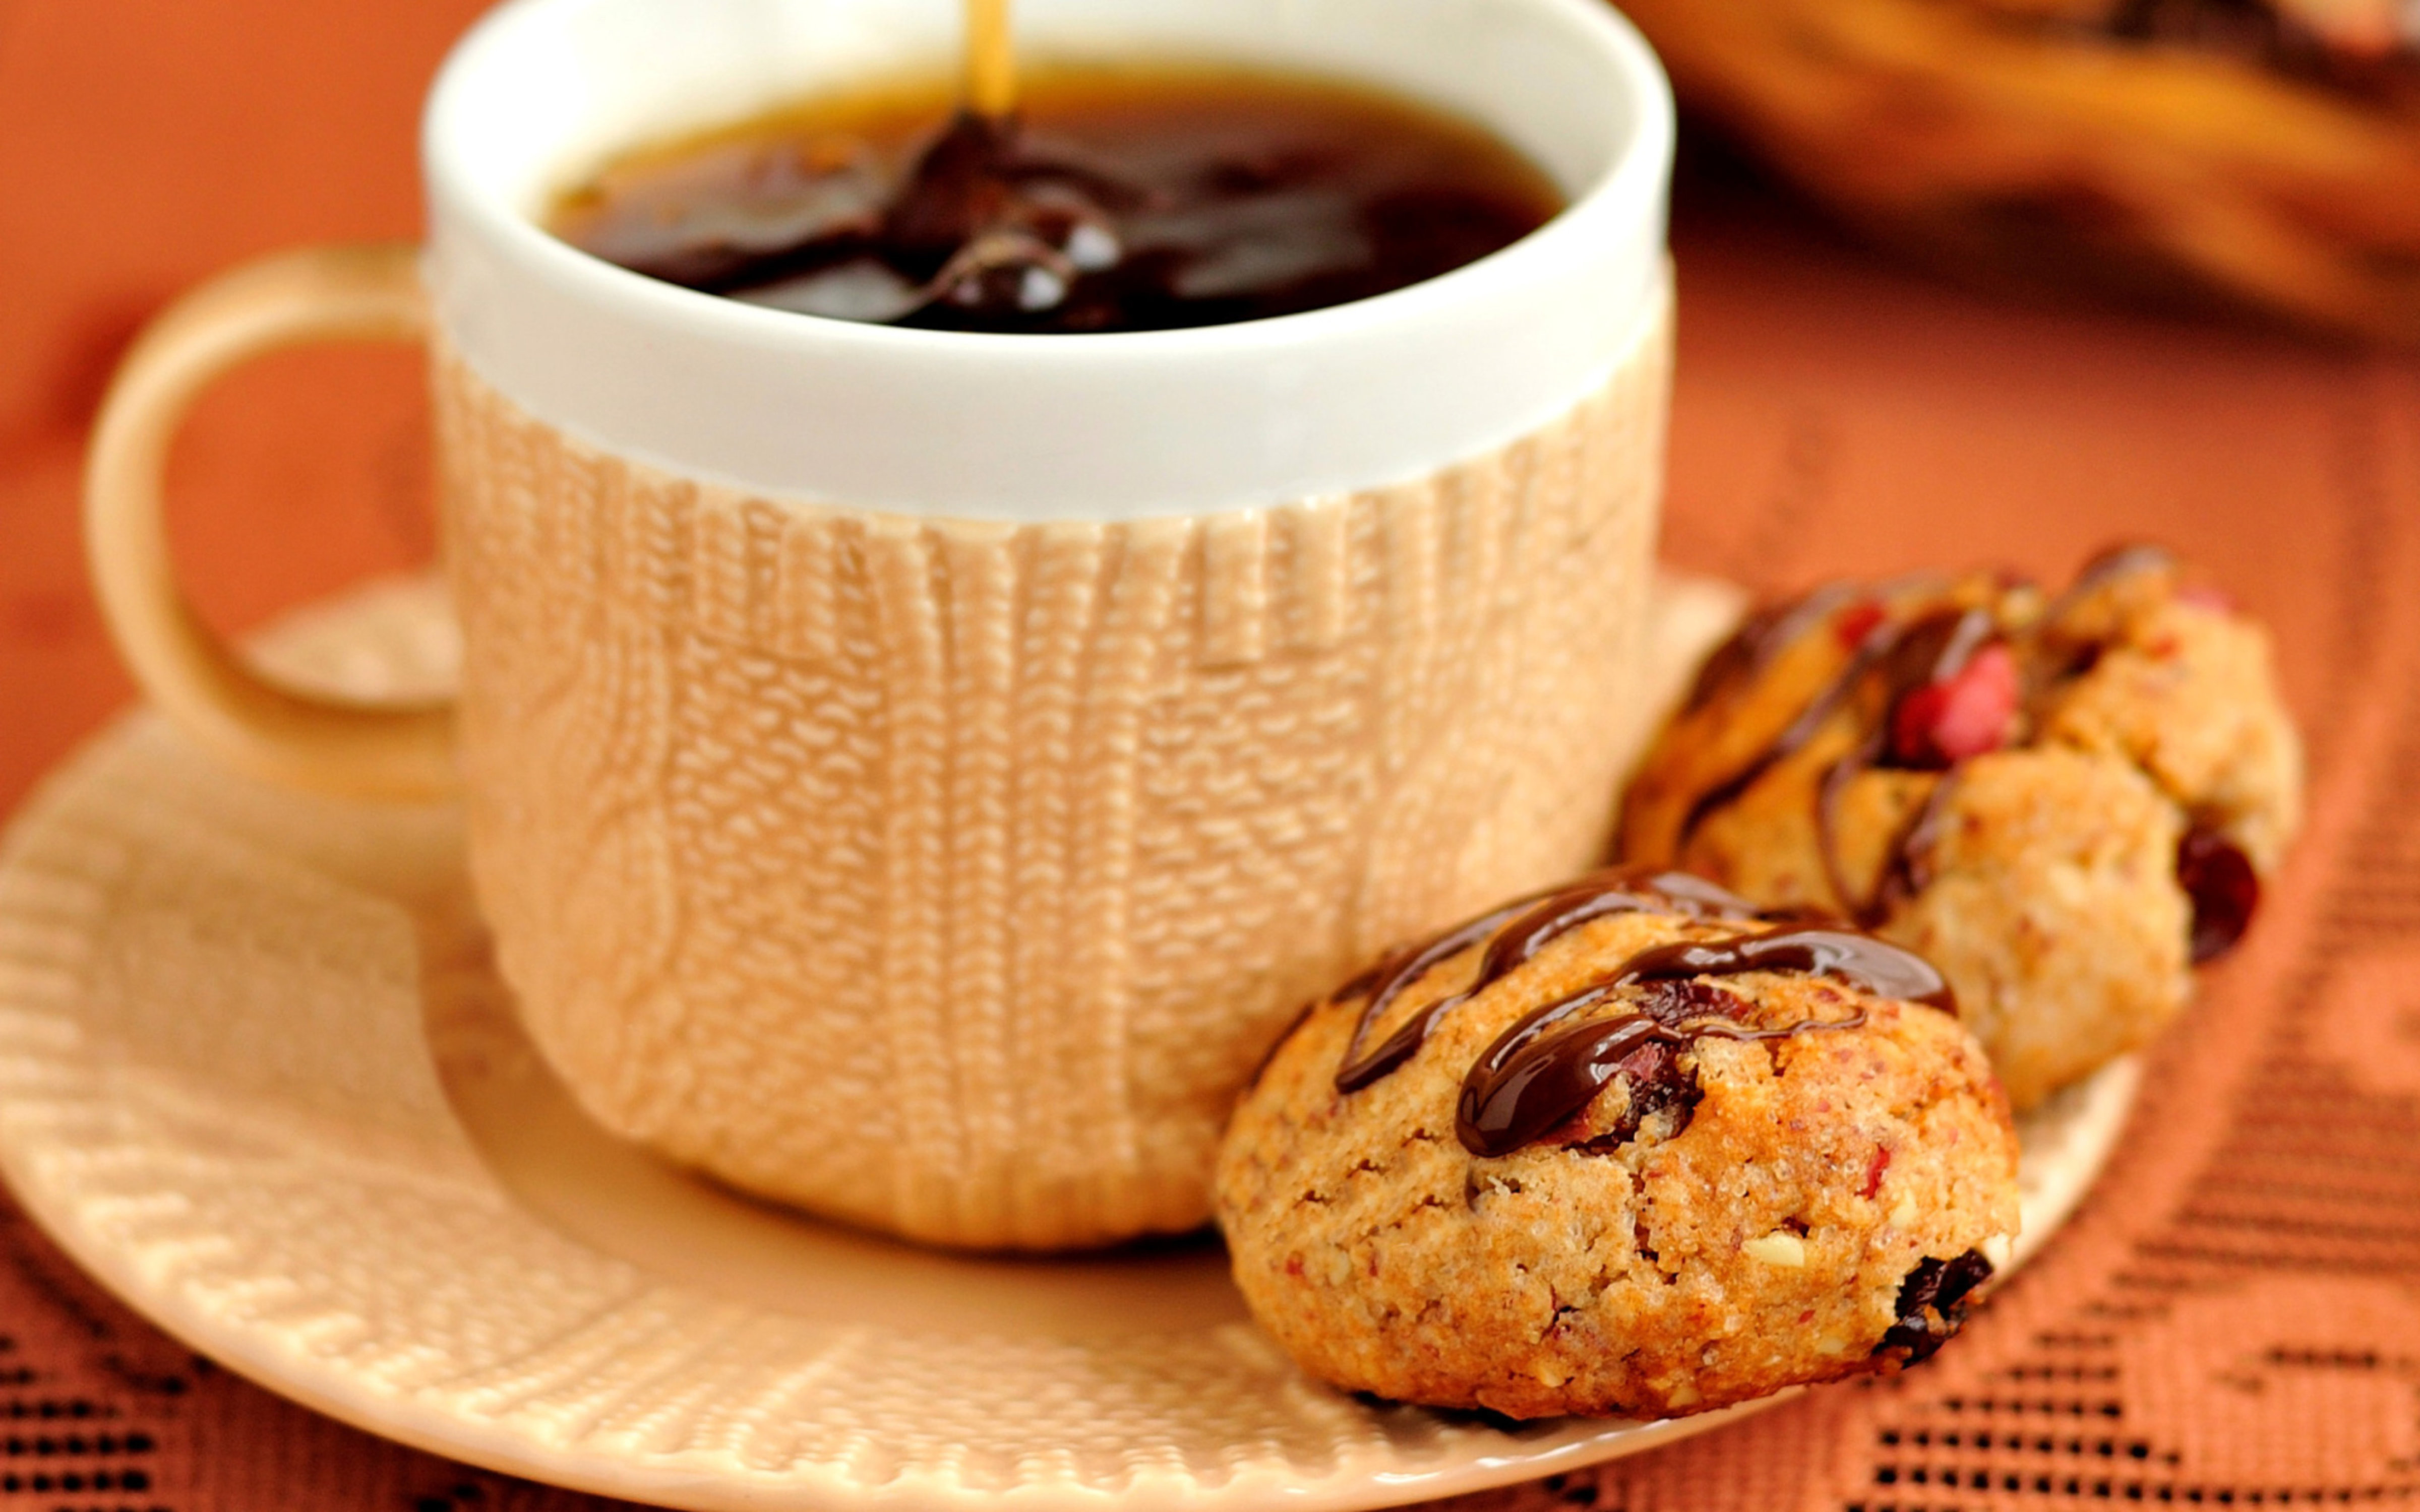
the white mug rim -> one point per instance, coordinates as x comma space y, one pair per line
475, 219
1634, 177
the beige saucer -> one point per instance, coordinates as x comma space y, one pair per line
255, 1073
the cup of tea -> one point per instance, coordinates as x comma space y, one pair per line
966, 626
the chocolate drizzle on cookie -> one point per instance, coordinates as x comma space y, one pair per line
1941, 688
1931, 652
1862, 961
1545, 1071
1519, 931
1766, 635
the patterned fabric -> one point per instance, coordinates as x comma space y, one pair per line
2233, 1319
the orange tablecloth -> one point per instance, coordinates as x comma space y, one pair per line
2234, 1319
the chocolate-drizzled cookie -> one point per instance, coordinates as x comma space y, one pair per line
2064, 802
1629, 1146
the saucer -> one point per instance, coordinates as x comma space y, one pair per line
257, 1075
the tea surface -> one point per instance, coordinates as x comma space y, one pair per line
1148, 198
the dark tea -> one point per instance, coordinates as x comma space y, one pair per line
1139, 198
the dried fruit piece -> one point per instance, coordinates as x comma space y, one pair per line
1657, 1084
2225, 891
1966, 714
1933, 1303
1874, 1169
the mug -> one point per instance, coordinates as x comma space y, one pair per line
914, 776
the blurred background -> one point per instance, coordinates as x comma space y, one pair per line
2253, 155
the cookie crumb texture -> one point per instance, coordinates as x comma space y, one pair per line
2064, 803
1743, 1217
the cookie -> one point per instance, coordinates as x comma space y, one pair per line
1628, 1148
2064, 803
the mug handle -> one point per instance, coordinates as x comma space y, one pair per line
278, 734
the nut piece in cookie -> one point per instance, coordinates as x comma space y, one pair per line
2065, 803
1626, 1147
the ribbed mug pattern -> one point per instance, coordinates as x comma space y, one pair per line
949, 878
